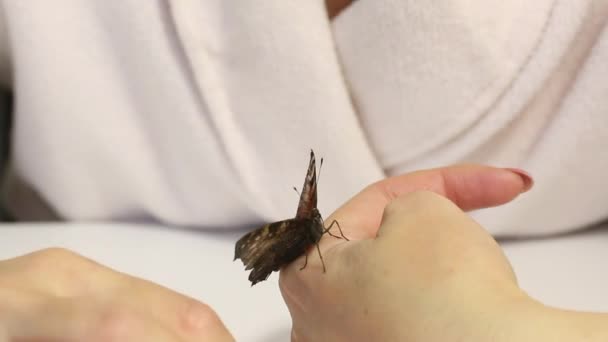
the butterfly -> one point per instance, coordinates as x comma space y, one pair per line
277, 244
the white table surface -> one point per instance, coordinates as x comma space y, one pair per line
569, 271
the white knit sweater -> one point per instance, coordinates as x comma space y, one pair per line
201, 113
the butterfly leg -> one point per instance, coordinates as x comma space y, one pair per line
305, 261
320, 256
327, 230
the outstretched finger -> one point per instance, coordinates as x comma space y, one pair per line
468, 186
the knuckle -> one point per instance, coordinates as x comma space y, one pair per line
115, 324
52, 257
57, 252
414, 200
419, 204
65, 272
58, 261
197, 316
422, 196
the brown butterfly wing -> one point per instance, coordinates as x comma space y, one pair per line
308, 197
272, 246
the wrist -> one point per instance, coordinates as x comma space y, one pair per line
477, 315
534, 321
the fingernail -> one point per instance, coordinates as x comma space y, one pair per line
525, 177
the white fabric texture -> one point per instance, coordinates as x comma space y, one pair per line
201, 113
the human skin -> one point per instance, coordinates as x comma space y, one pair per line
418, 268
58, 295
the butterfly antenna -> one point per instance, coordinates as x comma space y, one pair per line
296, 190
320, 166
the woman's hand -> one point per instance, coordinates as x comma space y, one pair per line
418, 270
57, 295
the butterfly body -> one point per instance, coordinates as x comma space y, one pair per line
277, 244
